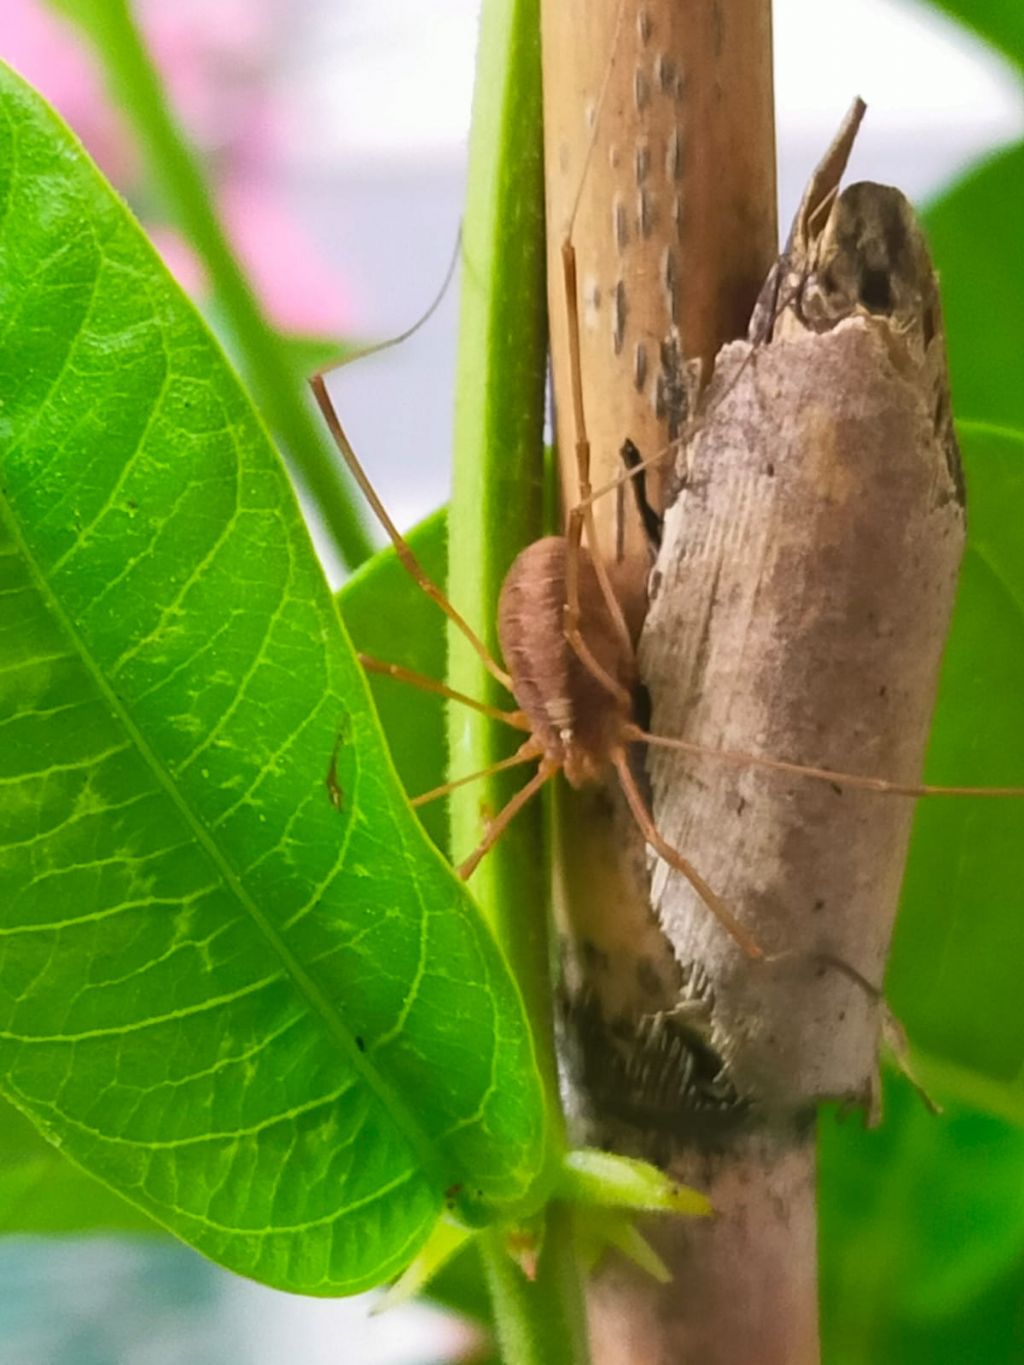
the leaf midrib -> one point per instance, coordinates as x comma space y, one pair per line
336, 1029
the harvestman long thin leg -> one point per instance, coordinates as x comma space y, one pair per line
692, 427
664, 850
584, 518
861, 783
503, 819
526, 753
402, 549
582, 515
402, 674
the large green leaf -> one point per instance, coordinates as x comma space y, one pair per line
975, 230
955, 969
40, 1189
253, 1000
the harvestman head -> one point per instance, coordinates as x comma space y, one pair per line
569, 656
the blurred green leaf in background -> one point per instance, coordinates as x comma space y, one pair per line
922, 1221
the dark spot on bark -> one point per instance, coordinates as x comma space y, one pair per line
620, 222
647, 977
593, 955
876, 291
741, 805
640, 366
649, 515
641, 162
620, 309
644, 213
658, 1072
769, 469
836, 788
819, 905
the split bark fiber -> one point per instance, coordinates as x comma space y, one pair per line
799, 606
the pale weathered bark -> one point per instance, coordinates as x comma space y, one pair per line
799, 606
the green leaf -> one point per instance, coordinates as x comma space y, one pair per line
257, 1004
922, 1236
600, 1179
975, 230
390, 617
954, 976
1000, 22
41, 1191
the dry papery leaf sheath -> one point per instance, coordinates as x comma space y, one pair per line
800, 605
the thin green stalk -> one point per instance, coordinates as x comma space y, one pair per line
131, 71
497, 502
540, 1321
497, 507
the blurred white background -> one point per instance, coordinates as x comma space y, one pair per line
378, 93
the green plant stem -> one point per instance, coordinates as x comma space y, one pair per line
177, 169
497, 507
540, 1321
497, 499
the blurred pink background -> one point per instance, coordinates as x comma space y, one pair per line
219, 62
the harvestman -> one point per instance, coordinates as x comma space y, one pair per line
571, 662
571, 659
